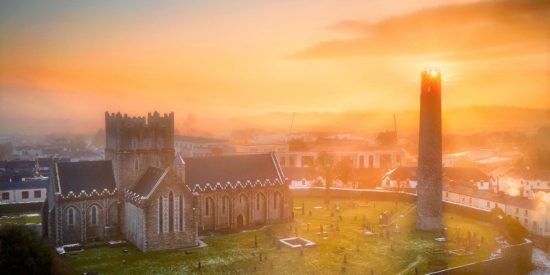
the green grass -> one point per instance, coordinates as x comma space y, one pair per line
235, 253
20, 218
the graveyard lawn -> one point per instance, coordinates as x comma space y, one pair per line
343, 248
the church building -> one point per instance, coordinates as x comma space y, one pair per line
155, 199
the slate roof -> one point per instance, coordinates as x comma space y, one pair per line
532, 174
460, 174
200, 171
491, 196
23, 185
148, 181
85, 176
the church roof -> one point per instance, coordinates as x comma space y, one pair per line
84, 176
178, 160
149, 181
201, 172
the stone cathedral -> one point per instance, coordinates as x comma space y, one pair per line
157, 200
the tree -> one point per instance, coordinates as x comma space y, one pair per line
99, 139
297, 145
387, 138
325, 167
6, 150
22, 251
509, 227
344, 170
77, 143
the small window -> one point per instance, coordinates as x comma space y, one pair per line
37, 194
25, 194
526, 212
488, 204
70, 216
93, 215
446, 194
5, 195
136, 164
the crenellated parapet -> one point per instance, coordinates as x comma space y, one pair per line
125, 132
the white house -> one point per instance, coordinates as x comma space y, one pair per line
24, 191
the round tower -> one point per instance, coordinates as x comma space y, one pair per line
429, 174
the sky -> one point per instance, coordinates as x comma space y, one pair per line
64, 63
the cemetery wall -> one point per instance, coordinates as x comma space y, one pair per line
515, 259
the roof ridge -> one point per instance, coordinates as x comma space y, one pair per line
161, 178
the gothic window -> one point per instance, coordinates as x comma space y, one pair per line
177, 216
136, 164
276, 200
165, 215
171, 211
181, 212
159, 215
258, 202
225, 204
93, 215
207, 208
71, 216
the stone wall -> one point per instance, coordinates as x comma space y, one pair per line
134, 225
515, 259
359, 194
168, 235
239, 208
82, 230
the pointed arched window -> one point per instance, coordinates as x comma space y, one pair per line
71, 216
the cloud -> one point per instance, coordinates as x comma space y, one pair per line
481, 30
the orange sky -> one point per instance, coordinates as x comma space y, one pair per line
70, 61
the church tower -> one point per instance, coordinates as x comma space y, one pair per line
135, 143
429, 174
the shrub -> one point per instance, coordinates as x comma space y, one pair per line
22, 251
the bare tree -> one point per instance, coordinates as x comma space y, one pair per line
326, 168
